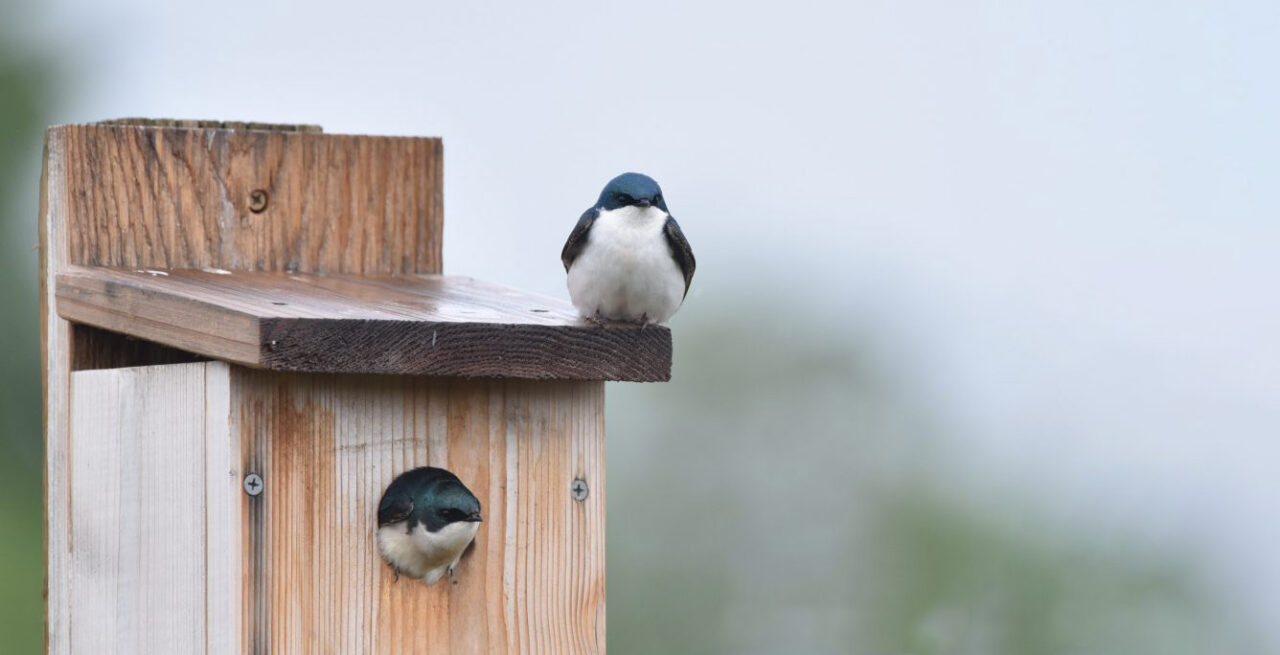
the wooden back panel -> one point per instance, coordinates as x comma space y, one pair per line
252, 200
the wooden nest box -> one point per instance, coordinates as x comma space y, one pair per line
247, 336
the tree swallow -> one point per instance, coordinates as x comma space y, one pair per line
426, 519
626, 258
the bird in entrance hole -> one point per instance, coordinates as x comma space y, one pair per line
426, 519
626, 258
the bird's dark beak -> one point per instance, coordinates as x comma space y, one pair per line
643, 202
475, 517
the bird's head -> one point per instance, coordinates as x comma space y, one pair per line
448, 502
631, 190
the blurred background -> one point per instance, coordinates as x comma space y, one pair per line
981, 356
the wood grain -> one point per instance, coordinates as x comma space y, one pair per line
421, 325
207, 568
55, 339
140, 559
223, 514
212, 124
328, 445
174, 197
171, 556
145, 196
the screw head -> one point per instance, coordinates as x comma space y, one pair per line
579, 489
253, 484
257, 201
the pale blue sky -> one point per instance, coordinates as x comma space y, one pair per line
1065, 216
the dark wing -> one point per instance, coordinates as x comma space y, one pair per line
578, 237
680, 251
395, 507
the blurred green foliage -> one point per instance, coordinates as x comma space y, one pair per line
26, 94
784, 493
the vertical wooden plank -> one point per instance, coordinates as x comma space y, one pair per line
327, 447
588, 457
55, 337
467, 455
138, 517
223, 511
557, 578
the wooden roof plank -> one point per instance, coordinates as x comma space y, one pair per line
338, 323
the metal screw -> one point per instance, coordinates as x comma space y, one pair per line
257, 201
579, 489
253, 484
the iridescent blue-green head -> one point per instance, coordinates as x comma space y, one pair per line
631, 190
447, 501
431, 496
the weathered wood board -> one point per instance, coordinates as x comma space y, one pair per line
161, 453
252, 200
409, 325
149, 483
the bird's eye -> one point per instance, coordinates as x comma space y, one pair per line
625, 199
657, 200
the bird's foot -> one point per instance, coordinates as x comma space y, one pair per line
597, 319
453, 578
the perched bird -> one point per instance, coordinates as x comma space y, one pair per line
626, 258
426, 519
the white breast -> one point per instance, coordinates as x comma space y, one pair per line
423, 554
625, 272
